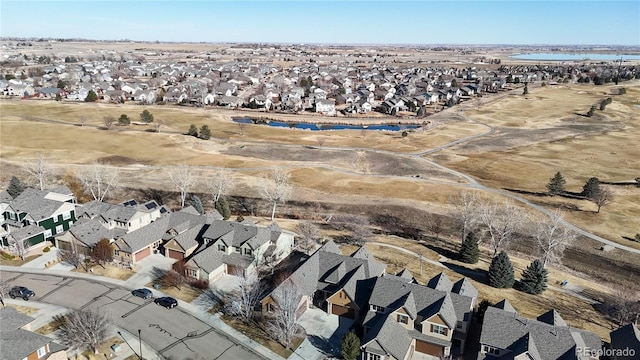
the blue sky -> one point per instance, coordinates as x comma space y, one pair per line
344, 22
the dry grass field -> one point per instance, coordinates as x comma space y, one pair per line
545, 132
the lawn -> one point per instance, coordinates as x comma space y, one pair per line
109, 270
17, 261
256, 333
24, 309
186, 293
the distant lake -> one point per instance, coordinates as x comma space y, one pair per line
574, 57
319, 127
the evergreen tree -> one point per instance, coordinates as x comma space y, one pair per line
534, 278
350, 346
469, 252
591, 111
591, 188
556, 184
146, 116
197, 204
482, 308
91, 96
193, 130
124, 120
222, 206
205, 132
15, 187
501, 272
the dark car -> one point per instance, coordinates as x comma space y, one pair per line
167, 302
21, 291
142, 293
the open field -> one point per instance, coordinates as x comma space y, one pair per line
535, 139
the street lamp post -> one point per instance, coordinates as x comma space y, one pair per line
125, 340
140, 341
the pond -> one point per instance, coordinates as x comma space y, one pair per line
320, 127
575, 57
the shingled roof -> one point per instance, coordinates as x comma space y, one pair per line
35, 203
18, 343
625, 337
508, 330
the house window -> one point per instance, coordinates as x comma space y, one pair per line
371, 356
403, 319
270, 307
59, 229
247, 251
116, 252
12, 216
42, 352
66, 216
459, 325
222, 247
437, 329
490, 349
237, 249
47, 233
377, 308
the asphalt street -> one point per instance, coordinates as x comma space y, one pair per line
174, 333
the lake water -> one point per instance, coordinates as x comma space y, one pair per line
320, 127
574, 57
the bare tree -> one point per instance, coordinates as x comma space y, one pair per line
466, 211
601, 198
358, 225
245, 296
173, 278
283, 325
552, 237
241, 126
434, 224
19, 247
500, 222
86, 328
41, 170
360, 163
71, 257
276, 189
266, 262
183, 179
102, 252
221, 183
5, 286
309, 236
99, 180
321, 140
83, 120
108, 121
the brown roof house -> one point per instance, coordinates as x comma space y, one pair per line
331, 280
405, 318
18, 342
507, 335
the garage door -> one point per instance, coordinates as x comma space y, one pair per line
343, 311
175, 254
142, 254
426, 348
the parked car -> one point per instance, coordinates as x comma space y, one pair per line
142, 293
21, 291
167, 302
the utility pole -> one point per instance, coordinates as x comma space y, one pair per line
140, 341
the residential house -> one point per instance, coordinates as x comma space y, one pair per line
405, 317
625, 343
51, 92
330, 279
20, 343
326, 107
35, 216
234, 248
136, 245
20, 90
507, 335
229, 101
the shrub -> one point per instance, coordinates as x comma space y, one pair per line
46, 249
7, 255
201, 284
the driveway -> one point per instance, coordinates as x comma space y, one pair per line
324, 334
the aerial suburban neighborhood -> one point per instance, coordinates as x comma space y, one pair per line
312, 180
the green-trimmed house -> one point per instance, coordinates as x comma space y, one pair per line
35, 216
